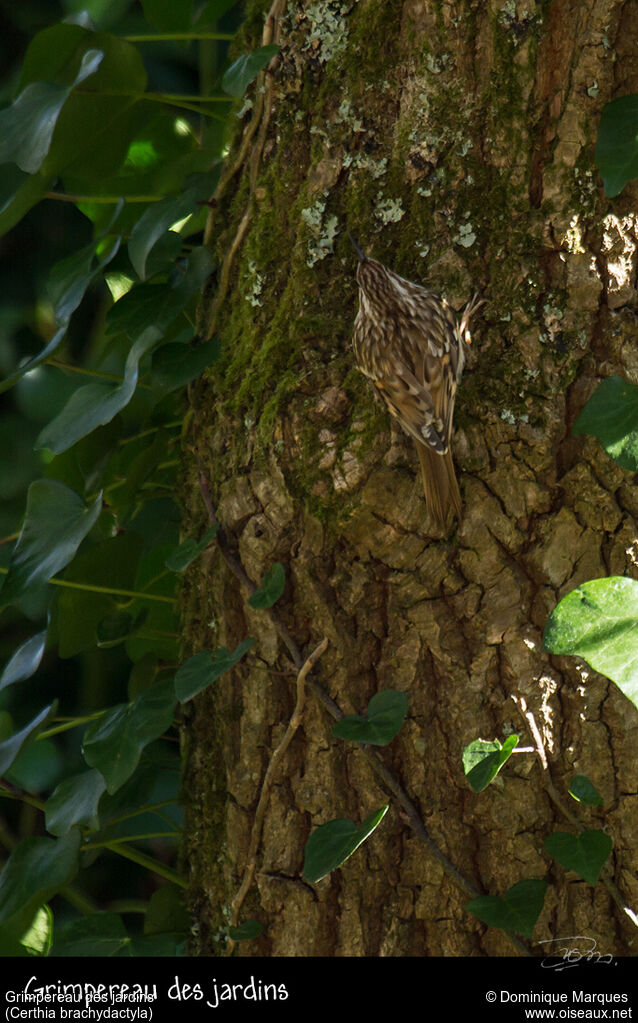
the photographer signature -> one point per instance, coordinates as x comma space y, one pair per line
573, 950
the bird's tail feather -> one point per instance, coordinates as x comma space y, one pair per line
442, 493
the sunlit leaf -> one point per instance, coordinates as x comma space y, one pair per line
597, 621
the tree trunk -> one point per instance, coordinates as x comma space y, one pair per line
455, 141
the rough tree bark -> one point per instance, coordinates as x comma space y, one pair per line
455, 140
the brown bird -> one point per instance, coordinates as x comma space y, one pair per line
409, 343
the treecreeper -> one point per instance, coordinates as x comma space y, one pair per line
411, 345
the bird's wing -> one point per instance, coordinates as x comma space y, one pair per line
411, 403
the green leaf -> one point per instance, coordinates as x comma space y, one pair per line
154, 223
104, 934
166, 913
181, 557
585, 854
18, 193
111, 563
161, 304
56, 522
611, 415
518, 910
114, 743
205, 668
70, 278
597, 621
247, 931
75, 801
331, 844
37, 939
240, 74
617, 145
36, 869
27, 127
100, 934
582, 790
483, 760
96, 404
271, 588
44, 354
175, 365
385, 716
25, 661
11, 747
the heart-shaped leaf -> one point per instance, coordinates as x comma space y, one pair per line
597, 621
331, 844
75, 801
181, 557
385, 716
25, 661
204, 668
585, 854
518, 910
240, 74
582, 790
271, 588
114, 743
56, 522
611, 415
483, 760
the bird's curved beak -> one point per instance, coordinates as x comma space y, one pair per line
362, 256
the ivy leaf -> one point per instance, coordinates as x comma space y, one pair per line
11, 747
240, 74
585, 854
25, 661
597, 621
114, 743
611, 415
518, 910
44, 354
74, 802
483, 760
56, 522
331, 844
26, 128
154, 223
100, 934
385, 716
70, 278
181, 557
175, 365
36, 869
582, 790
247, 931
271, 588
96, 404
166, 913
205, 668
617, 144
